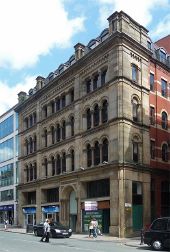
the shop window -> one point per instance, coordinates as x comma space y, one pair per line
98, 188
53, 195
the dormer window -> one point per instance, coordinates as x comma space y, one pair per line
162, 56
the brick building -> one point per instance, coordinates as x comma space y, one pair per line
160, 129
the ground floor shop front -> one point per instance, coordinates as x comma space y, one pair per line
119, 198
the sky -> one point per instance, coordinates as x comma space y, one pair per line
36, 36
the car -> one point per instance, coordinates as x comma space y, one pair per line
56, 230
158, 234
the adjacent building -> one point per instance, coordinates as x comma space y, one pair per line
159, 100
8, 166
85, 138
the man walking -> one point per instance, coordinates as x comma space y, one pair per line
46, 234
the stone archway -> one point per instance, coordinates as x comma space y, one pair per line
69, 209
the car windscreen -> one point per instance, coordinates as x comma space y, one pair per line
160, 224
57, 224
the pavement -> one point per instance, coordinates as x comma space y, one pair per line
132, 242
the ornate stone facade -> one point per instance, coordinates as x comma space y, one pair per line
90, 123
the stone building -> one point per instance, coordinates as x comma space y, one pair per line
84, 135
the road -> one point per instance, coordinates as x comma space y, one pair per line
15, 242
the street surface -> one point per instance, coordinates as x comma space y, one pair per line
15, 242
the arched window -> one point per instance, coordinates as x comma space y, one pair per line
88, 86
64, 162
53, 165
72, 160
105, 150
52, 135
72, 125
27, 146
165, 152
88, 113
52, 107
46, 166
64, 130
27, 173
35, 143
35, 170
45, 137
31, 144
31, 172
96, 153
26, 123
95, 80
34, 118
31, 120
104, 112
89, 155
164, 120
45, 111
135, 152
103, 77
58, 164
58, 133
135, 107
57, 104
96, 115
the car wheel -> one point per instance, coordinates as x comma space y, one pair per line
35, 233
157, 245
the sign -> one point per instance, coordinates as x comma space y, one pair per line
50, 209
90, 205
7, 208
128, 205
29, 210
87, 216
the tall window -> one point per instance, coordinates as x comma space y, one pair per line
105, 150
35, 143
53, 165
57, 104
135, 152
135, 107
31, 144
164, 120
46, 166
31, 120
45, 111
52, 134
165, 152
64, 162
152, 149
31, 172
96, 154
134, 73
88, 118
104, 112
95, 81
58, 133
72, 95
103, 77
72, 125
152, 115
96, 115
58, 164
88, 86
35, 170
63, 100
45, 137
162, 56
164, 88
64, 130
151, 82
89, 155
34, 118
52, 107
72, 160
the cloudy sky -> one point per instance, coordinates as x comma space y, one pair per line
38, 35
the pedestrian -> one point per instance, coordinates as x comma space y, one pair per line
95, 226
91, 228
46, 233
5, 224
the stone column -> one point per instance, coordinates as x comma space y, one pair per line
68, 99
92, 152
114, 205
121, 203
100, 146
100, 115
84, 158
92, 119
49, 138
84, 126
48, 109
146, 204
99, 79
38, 205
78, 224
49, 168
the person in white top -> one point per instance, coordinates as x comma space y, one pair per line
46, 234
